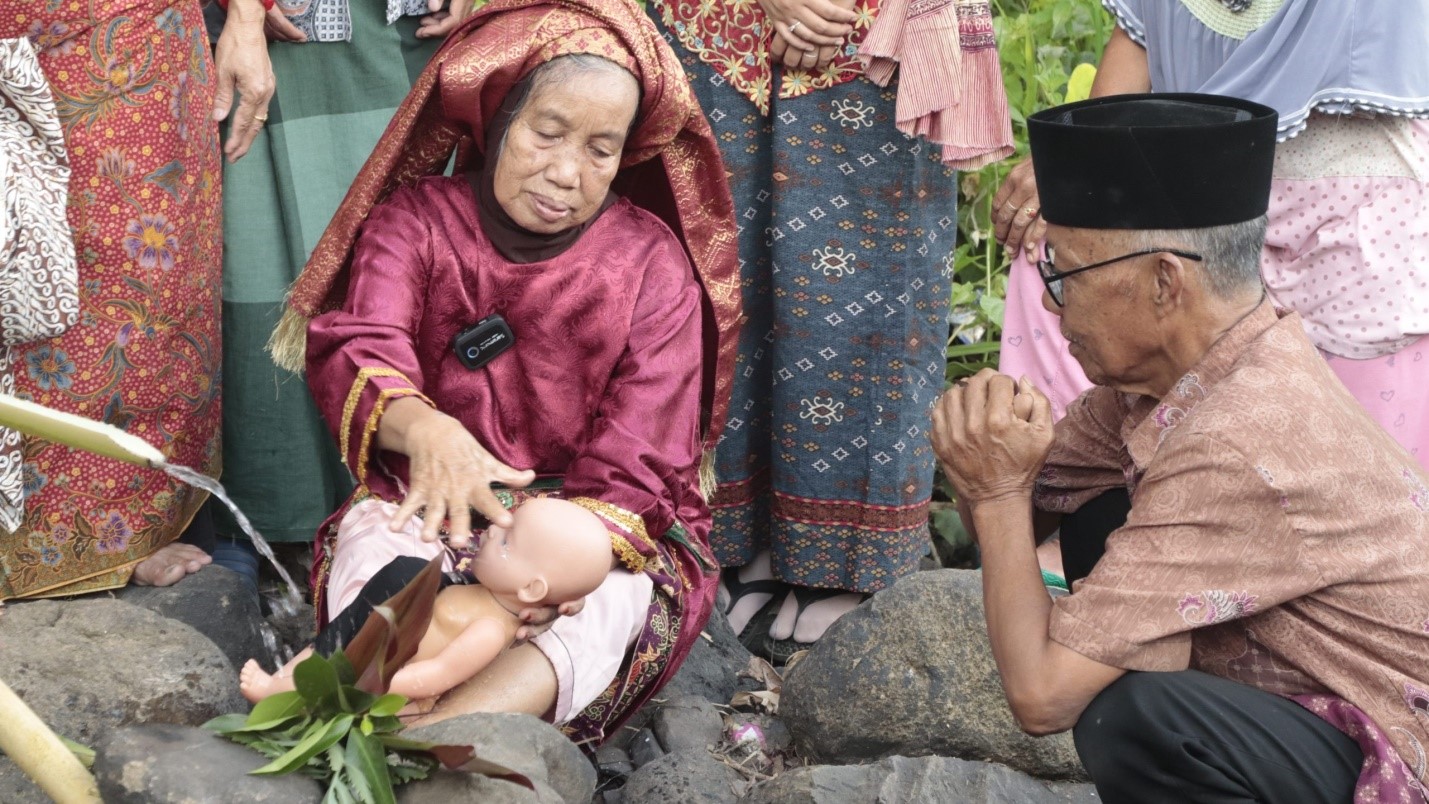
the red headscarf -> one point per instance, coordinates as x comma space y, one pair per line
671, 165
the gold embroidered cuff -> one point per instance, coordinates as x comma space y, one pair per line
354, 396
375, 419
630, 522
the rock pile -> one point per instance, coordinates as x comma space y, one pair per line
900, 702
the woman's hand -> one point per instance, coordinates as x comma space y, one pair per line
808, 25
992, 436
781, 52
1015, 208
278, 28
441, 21
241, 63
450, 471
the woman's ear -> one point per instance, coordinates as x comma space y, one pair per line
533, 592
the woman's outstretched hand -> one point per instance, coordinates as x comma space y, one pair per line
1015, 212
450, 471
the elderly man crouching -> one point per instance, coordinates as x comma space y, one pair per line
1258, 628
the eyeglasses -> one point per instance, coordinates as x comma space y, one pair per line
1052, 278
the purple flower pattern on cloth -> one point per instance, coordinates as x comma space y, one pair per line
1215, 606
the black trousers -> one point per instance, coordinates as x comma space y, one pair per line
1193, 737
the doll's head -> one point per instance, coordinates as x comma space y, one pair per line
554, 552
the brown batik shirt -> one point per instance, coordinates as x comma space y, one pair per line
1277, 537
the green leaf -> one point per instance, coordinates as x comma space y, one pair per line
345, 673
274, 710
316, 681
355, 700
389, 704
992, 307
318, 740
225, 724
367, 758
1079, 86
84, 753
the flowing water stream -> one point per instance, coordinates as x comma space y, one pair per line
285, 605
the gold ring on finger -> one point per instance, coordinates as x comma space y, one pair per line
261, 118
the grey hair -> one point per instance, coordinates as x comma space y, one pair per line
1230, 254
566, 68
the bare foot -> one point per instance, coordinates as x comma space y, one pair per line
809, 625
256, 684
170, 564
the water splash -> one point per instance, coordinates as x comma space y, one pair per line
197, 479
278, 653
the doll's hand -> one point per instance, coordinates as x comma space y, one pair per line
538, 620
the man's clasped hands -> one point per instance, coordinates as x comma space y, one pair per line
991, 435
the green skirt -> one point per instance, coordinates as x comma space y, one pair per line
333, 101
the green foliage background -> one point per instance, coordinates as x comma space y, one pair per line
1040, 43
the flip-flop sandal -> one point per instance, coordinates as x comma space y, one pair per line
739, 589
778, 651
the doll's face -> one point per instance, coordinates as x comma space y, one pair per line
500, 563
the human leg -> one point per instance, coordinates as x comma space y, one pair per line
1083, 533
1193, 737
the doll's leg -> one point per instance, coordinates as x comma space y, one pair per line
519, 680
255, 684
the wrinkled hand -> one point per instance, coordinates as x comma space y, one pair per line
241, 64
1015, 212
806, 27
451, 473
992, 436
781, 52
443, 21
278, 28
538, 620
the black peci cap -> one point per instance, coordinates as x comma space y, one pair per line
1157, 161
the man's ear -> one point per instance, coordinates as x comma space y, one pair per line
1170, 278
533, 592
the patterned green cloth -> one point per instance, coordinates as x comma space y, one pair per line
333, 101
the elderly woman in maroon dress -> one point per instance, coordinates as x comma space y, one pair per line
581, 154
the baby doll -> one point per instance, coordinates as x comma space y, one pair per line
554, 552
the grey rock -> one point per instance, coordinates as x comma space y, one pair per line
687, 723
688, 777
218, 603
916, 780
456, 787
166, 764
88, 665
910, 672
522, 743
644, 748
16, 787
612, 760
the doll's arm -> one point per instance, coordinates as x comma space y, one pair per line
465, 656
